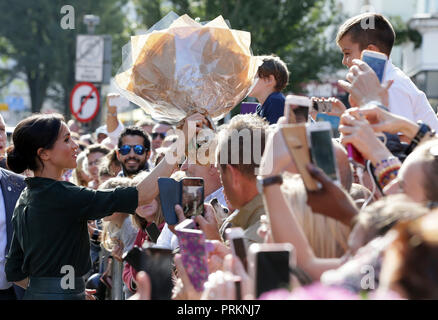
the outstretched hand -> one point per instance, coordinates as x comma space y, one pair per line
331, 200
363, 85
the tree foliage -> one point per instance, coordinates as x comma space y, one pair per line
296, 30
31, 35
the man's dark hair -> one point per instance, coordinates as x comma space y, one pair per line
135, 131
382, 35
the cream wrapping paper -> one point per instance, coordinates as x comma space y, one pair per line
188, 68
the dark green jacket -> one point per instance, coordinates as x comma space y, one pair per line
50, 226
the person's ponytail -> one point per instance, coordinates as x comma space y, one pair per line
31, 134
15, 161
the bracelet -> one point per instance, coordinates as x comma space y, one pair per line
386, 171
424, 129
114, 114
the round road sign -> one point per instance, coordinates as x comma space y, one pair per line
84, 101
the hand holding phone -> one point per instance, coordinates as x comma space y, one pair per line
377, 61
269, 266
193, 254
296, 141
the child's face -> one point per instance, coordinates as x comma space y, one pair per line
350, 49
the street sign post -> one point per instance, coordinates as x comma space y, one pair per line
89, 58
84, 102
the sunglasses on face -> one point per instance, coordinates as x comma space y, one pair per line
156, 134
126, 149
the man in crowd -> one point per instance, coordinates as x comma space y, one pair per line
11, 186
239, 177
133, 151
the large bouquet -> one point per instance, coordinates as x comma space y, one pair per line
186, 68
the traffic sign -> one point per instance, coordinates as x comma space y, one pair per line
84, 101
89, 58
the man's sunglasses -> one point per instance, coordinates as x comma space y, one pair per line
126, 149
156, 134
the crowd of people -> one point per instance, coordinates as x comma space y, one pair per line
90, 200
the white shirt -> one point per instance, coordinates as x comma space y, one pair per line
113, 137
167, 239
4, 284
406, 100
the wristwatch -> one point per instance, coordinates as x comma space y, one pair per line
263, 182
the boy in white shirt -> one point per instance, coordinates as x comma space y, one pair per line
405, 99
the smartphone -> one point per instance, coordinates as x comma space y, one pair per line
193, 253
153, 232
295, 136
237, 244
377, 61
321, 148
269, 266
157, 263
296, 108
192, 197
322, 106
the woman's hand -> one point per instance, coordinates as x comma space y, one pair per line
338, 107
184, 289
331, 200
356, 130
221, 285
276, 158
384, 121
364, 86
208, 223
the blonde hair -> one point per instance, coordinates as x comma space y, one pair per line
327, 237
76, 175
110, 230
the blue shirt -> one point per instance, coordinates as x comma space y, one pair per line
273, 108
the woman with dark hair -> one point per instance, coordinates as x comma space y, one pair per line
50, 250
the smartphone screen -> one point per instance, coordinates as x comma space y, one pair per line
238, 249
301, 114
272, 271
378, 65
193, 197
299, 106
322, 152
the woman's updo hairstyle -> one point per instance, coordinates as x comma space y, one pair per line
34, 132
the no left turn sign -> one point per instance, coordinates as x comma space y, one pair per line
84, 101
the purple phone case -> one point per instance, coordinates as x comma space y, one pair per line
194, 256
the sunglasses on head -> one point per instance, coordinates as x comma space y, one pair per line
156, 134
126, 149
